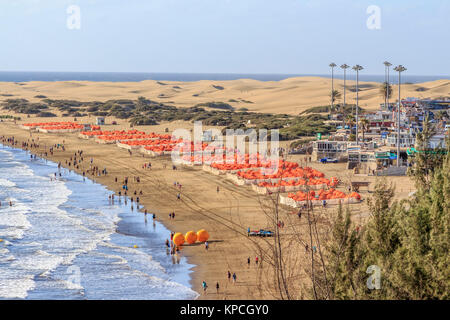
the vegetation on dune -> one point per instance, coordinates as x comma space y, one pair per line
347, 109
215, 105
46, 114
148, 112
308, 125
23, 106
7, 116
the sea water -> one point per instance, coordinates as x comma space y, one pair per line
64, 239
23, 76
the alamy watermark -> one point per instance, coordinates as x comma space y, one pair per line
374, 20
74, 17
235, 147
374, 280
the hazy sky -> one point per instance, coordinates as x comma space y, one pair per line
224, 36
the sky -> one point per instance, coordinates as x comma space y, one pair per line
224, 36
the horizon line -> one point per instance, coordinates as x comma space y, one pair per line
220, 73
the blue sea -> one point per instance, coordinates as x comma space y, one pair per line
64, 239
132, 77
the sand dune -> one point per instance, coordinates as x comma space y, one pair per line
290, 96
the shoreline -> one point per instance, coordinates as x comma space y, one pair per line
119, 229
128, 230
194, 254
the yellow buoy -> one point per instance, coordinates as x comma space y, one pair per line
178, 239
135, 246
191, 237
202, 235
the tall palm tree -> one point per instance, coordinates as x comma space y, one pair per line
335, 95
399, 69
364, 126
332, 66
386, 80
357, 68
344, 67
386, 91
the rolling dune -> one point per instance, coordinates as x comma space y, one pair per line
291, 96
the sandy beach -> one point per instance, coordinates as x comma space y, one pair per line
290, 96
225, 214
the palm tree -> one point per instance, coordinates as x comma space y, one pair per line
335, 95
386, 91
357, 68
350, 121
332, 66
387, 65
364, 126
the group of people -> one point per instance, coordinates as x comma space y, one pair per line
256, 261
147, 165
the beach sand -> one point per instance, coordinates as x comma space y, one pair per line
226, 215
290, 96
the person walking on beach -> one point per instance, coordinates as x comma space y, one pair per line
218, 189
217, 287
205, 286
234, 278
229, 276
248, 262
256, 260
206, 245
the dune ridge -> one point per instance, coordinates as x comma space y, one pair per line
291, 96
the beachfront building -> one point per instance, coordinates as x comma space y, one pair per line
439, 104
406, 139
100, 121
330, 149
437, 141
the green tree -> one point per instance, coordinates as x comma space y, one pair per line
422, 262
426, 160
381, 236
344, 255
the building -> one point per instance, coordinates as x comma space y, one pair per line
332, 149
407, 140
100, 121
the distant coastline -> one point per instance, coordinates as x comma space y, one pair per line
25, 76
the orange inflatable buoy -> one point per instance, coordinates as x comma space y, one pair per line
191, 237
202, 235
178, 239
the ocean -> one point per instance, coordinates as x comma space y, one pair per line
136, 76
64, 239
